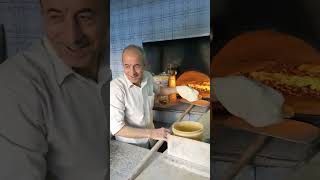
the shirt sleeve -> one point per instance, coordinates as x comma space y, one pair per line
22, 137
117, 108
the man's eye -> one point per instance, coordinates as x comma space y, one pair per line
85, 18
55, 17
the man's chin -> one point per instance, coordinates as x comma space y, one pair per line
135, 81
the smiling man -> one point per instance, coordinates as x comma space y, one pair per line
53, 108
72, 30
131, 101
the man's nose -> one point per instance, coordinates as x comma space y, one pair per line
132, 71
74, 32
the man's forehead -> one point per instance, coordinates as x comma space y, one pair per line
70, 4
132, 60
132, 54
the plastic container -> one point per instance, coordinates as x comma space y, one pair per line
188, 129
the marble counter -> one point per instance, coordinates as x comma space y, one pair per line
172, 168
124, 158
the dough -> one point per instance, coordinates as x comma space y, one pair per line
250, 100
188, 93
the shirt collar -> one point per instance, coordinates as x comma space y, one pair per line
61, 69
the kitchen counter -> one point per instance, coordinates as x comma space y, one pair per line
173, 168
124, 158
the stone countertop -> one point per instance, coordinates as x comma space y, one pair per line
124, 158
168, 167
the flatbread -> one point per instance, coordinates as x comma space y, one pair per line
188, 93
250, 100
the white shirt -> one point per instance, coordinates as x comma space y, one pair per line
53, 122
132, 105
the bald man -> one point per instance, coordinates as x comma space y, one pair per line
53, 117
131, 101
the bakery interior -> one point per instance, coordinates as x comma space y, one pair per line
175, 37
176, 33
275, 43
177, 29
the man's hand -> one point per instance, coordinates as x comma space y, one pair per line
159, 134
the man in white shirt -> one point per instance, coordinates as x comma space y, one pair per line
54, 99
131, 101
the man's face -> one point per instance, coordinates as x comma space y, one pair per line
72, 29
133, 66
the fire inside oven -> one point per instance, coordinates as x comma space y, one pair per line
180, 62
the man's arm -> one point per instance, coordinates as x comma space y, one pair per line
164, 91
130, 132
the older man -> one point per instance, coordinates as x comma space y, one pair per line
131, 101
52, 115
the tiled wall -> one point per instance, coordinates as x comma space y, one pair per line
132, 22
22, 22
137, 21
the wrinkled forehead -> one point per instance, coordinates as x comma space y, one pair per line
70, 5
